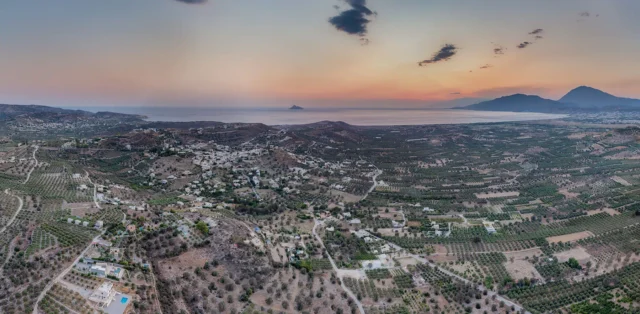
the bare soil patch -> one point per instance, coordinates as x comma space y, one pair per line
579, 253
519, 269
497, 194
568, 194
607, 210
571, 237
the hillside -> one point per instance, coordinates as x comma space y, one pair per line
519, 103
588, 97
54, 114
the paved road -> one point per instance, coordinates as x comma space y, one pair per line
95, 191
63, 273
335, 268
66, 271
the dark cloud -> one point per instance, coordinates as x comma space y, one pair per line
353, 21
192, 1
445, 53
337, 7
536, 31
524, 44
585, 14
486, 66
538, 37
498, 49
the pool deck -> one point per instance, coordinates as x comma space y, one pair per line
116, 306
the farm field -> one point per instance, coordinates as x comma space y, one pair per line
323, 218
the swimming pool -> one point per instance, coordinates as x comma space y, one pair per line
124, 300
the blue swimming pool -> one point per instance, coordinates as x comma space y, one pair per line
124, 300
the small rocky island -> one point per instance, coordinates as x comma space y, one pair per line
294, 107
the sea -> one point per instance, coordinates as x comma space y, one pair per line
362, 117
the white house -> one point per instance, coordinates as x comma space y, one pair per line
103, 295
490, 229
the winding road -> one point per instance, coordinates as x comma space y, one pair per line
95, 191
490, 293
63, 273
66, 271
14, 214
375, 183
34, 166
13, 218
336, 269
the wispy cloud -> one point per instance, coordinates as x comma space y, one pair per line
486, 66
353, 21
524, 44
192, 1
536, 31
498, 49
585, 15
445, 53
454, 93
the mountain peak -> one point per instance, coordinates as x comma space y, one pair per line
519, 103
589, 97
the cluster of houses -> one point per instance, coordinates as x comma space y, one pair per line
98, 225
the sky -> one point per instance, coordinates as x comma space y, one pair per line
389, 53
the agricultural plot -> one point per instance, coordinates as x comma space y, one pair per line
69, 299
554, 295
8, 206
367, 289
553, 270
490, 265
43, 216
401, 279
69, 234
416, 302
518, 236
81, 280
381, 273
375, 223
320, 264
56, 182
108, 216
40, 240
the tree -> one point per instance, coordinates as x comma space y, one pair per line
202, 227
573, 263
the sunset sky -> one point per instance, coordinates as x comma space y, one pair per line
275, 52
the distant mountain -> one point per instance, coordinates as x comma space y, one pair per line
294, 107
519, 103
588, 97
579, 99
53, 114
